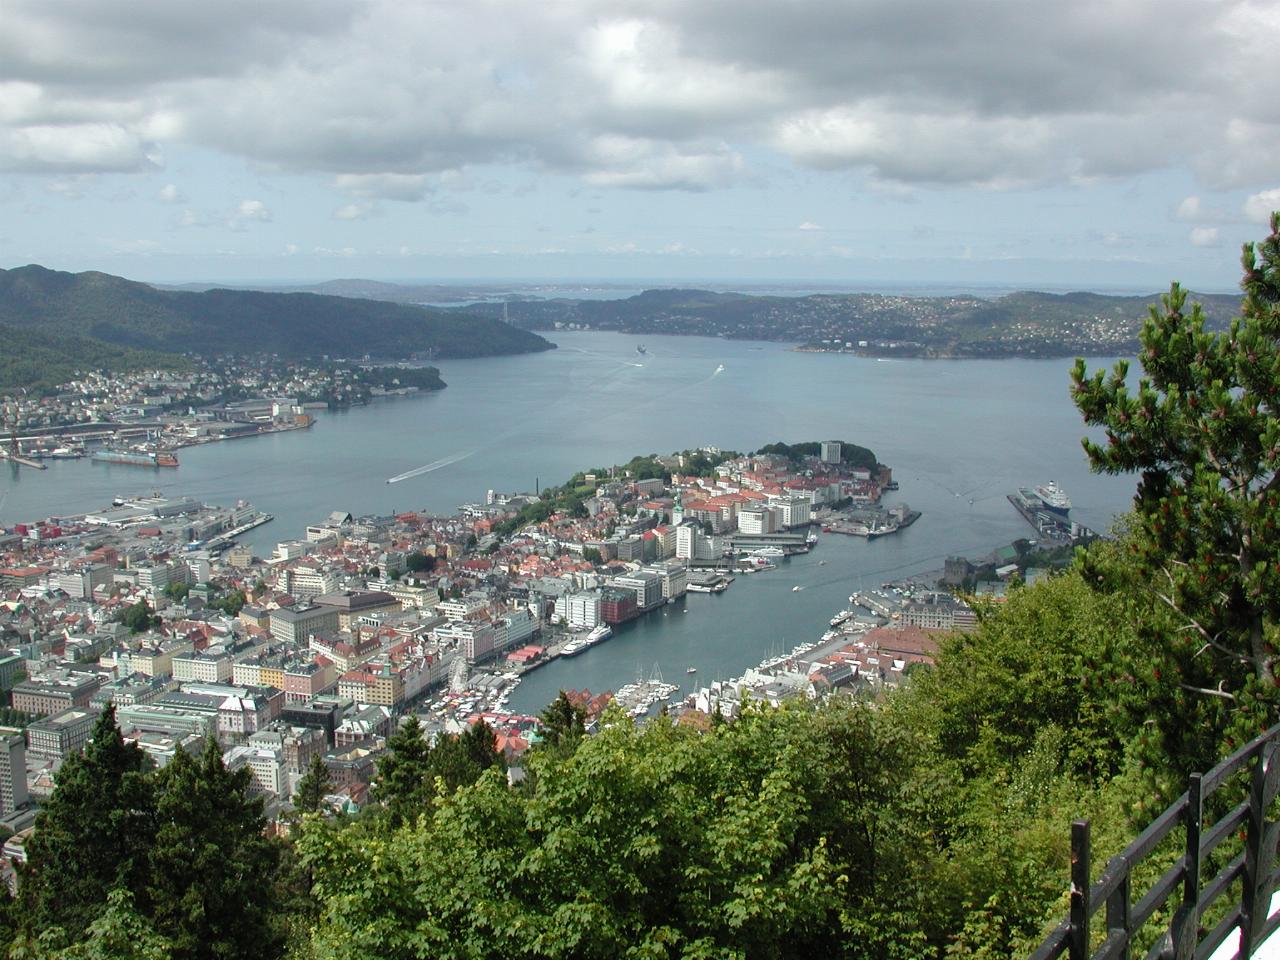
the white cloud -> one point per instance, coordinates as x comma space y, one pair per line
1259, 206
1204, 236
249, 211
1189, 210
170, 193
384, 96
354, 211
809, 225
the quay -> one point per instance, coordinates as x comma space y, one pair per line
24, 461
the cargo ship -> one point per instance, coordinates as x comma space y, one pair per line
136, 458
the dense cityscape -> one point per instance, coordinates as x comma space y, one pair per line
647, 481
321, 648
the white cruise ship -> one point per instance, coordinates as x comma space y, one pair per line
1053, 498
602, 632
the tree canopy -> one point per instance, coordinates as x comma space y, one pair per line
1202, 429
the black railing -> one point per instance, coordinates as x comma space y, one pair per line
1183, 938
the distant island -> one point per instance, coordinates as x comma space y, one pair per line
1015, 325
1025, 324
55, 323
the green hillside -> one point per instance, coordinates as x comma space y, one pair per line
38, 362
125, 313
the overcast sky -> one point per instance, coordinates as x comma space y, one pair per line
1118, 144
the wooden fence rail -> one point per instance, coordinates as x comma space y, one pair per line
1184, 938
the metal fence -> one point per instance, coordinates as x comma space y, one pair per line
1185, 938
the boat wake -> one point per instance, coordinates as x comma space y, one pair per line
427, 468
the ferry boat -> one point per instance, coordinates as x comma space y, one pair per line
136, 458
573, 648
600, 633
1054, 498
768, 552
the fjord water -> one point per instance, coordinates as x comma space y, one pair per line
959, 435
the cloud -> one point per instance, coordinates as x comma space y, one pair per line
1204, 236
354, 211
383, 97
1195, 210
170, 193
1189, 210
384, 186
249, 211
1259, 206
809, 225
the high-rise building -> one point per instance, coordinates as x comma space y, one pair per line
830, 451
13, 773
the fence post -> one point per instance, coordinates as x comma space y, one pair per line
1118, 905
1078, 942
1184, 932
1259, 852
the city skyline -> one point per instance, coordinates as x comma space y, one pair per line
1114, 146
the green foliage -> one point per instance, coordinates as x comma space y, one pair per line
176, 591
563, 723
231, 603
850, 453
92, 836
120, 933
15, 718
122, 313
411, 772
418, 562
38, 363
169, 863
768, 837
210, 862
1035, 665
313, 786
1202, 428
138, 617
393, 378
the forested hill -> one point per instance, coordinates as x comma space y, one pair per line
1018, 324
125, 313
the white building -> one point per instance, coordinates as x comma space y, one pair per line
583, 609
757, 518
792, 511
202, 667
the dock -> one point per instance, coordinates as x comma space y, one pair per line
24, 461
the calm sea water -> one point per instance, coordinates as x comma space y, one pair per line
953, 431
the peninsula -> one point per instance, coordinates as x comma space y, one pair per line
57, 323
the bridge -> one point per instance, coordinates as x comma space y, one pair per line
1230, 914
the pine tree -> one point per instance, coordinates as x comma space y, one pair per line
563, 722
211, 865
93, 836
1203, 430
403, 785
313, 786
